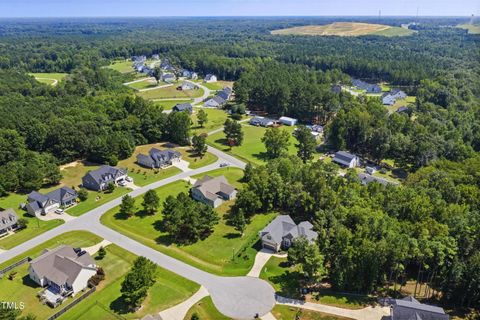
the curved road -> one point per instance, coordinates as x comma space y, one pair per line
235, 297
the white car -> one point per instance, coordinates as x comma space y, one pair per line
129, 179
59, 211
122, 183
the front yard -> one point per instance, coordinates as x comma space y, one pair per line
205, 309
219, 85
169, 104
224, 252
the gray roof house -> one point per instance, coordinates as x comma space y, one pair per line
215, 102
368, 87
366, 178
262, 122
410, 309
168, 77
188, 86
346, 159
183, 107
397, 93
158, 158
99, 179
64, 270
8, 221
388, 99
213, 191
210, 78
225, 94
39, 203
282, 232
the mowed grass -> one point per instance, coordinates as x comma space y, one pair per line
284, 280
122, 66
169, 104
219, 85
472, 28
402, 103
216, 119
224, 252
96, 199
106, 303
281, 312
170, 92
49, 78
146, 83
252, 149
346, 29
205, 309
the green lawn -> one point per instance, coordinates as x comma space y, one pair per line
284, 280
216, 119
252, 149
472, 28
234, 175
49, 78
168, 290
214, 254
170, 92
205, 309
147, 83
291, 313
96, 199
394, 32
122, 66
402, 103
219, 85
169, 104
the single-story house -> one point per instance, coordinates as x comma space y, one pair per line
100, 178
183, 107
188, 86
397, 93
159, 158
8, 221
288, 121
213, 191
368, 87
215, 102
346, 159
209, 78
64, 270
388, 99
168, 77
283, 231
410, 308
41, 204
262, 122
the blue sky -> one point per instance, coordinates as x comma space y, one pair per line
110, 8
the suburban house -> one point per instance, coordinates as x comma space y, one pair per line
215, 102
209, 78
168, 77
389, 98
225, 93
189, 74
366, 178
158, 158
188, 86
41, 204
183, 107
262, 122
8, 221
409, 308
213, 191
397, 93
346, 159
64, 271
100, 178
283, 231
368, 87
155, 57
288, 121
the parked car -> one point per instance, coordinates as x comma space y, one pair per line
224, 164
59, 211
129, 179
122, 183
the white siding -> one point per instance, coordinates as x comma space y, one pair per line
81, 281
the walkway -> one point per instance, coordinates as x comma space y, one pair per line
179, 311
368, 313
94, 249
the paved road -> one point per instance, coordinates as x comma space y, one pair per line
206, 93
236, 297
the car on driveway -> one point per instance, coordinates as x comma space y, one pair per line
122, 183
129, 179
224, 164
59, 211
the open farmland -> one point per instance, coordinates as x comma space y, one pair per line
345, 29
472, 28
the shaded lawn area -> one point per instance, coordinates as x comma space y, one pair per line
252, 149
106, 303
170, 92
224, 252
205, 309
169, 104
144, 176
284, 280
288, 313
219, 85
96, 199
34, 228
122, 66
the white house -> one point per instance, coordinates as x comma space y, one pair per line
209, 78
346, 159
288, 121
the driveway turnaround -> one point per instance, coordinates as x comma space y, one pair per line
179, 311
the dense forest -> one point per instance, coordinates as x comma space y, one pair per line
372, 235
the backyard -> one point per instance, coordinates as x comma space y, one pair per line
224, 252
219, 85
170, 92
170, 103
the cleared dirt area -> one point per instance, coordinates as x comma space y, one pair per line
346, 29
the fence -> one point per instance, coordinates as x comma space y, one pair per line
74, 303
14, 265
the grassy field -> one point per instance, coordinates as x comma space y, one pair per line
205, 309
288, 313
147, 83
96, 199
345, 29
216, 119
472, 28
214, 254
402, 103
219, 85
252, 149
170, 92
168, 290
169, 104
122, 66
49, 78
284, 280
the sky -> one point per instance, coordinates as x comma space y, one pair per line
157, 8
